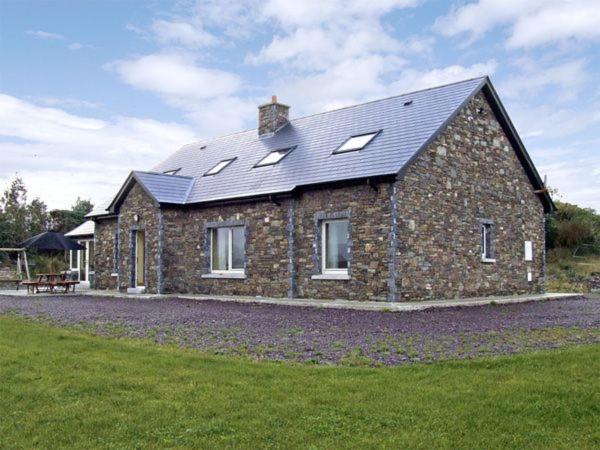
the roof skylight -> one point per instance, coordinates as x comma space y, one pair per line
171, 172
357, 142
274, 157
219, 167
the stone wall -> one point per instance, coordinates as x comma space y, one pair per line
268, 266
187, 249
470, 172
416, 238
368, 210
137, 202
104, 254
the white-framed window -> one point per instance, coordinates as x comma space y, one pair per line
335, 246
487, 242
227, 249
219, 167
274, 157
356, 142
528, 251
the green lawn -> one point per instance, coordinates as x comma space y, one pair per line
60, 388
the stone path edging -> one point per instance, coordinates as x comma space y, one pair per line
357, 305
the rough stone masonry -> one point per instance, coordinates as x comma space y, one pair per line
413, 237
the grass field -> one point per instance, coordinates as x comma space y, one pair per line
569, 274
60, 388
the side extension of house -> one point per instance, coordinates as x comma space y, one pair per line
460, 220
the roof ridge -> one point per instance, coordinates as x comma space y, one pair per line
150, 172
206, 141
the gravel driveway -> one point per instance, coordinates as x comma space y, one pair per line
324, 335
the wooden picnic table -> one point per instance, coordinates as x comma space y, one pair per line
49, 282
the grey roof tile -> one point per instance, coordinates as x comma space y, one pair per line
85, 229
165, 188
405, 129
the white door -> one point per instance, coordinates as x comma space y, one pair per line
74, 263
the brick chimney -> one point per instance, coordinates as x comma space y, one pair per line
272, 116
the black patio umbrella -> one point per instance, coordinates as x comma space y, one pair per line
51, 240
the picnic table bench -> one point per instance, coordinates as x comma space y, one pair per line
50, 282
9, 276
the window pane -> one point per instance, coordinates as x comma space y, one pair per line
220, 166
237, 248
272, 158
356, 143
487, 236
488, 241
220, 248
336, 244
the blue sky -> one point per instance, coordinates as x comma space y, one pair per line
90, 90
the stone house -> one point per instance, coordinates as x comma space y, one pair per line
425, 195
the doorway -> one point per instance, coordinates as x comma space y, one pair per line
82, 261
140, 258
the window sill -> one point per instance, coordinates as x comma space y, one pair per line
488, 260
230, 275
331, 276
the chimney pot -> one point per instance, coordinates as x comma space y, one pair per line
272, 116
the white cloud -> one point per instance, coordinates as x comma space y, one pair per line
40, 34
66, 155
45, 35
569, 77
346, 83
558, 22
575, 182
181, 32
209, 97
412, 79
335, 53
175, 75
550, 121
317, 12
65, 102
317, 35
531, 23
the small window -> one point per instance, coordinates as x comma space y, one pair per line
274, 157
335, 250
528, 251
487, 242
227, 249
171, 172
219, 167
357, 142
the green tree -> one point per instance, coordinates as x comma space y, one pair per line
64, 220
13, 205
20, 220
574, 228
37, 217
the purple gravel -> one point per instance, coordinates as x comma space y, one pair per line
324, 335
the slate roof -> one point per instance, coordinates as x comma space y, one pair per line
407, 124
404, 130
164, 188
85, 229
100, 209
